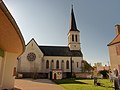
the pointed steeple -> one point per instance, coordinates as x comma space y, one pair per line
73, 34
73, 26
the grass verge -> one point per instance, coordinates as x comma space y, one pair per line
84, 84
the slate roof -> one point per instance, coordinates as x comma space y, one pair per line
73, 22
60, 51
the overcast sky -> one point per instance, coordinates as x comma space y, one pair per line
48, 22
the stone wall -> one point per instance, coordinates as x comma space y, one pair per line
83, 75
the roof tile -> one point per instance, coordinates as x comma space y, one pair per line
59, 51
115, 40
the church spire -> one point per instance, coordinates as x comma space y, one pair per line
73, 26
73, 34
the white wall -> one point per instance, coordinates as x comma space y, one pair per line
24, 65
73, 45
40, 62
8, 64
55, 58
114, 58
77, 59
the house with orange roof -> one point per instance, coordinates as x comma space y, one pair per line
114, 50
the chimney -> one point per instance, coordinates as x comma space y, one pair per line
117, 28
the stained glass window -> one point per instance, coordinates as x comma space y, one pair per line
31, 56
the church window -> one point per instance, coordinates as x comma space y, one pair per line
57, 64
62, 65
47, 64
76, 38
72, 37
72, 61
77, 64
31, 56
52, 64
32, 45
118, 49
67, 64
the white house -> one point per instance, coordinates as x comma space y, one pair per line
40, 60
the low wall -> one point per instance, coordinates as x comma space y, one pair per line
83, 75
34, 75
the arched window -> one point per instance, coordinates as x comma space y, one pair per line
32, 44
62, 65
57, 64
47, 64
76, 38
67, 64
72, 61
77, 64
72, 37
52, 64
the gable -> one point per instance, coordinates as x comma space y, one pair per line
32, 46
115, 40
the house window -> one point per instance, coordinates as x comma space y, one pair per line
67, 64
72, 37
118, 49
119, 67
47, 64
76, 38
77, 64
14, 71
57, 64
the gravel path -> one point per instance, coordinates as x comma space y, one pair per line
39, 84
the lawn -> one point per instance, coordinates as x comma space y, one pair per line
84, 84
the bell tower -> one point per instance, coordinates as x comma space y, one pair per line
73, 34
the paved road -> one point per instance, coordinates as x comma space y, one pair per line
39, 84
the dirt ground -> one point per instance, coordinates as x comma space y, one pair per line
39, 84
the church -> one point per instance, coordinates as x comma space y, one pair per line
54, 62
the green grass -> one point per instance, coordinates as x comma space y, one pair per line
84, 84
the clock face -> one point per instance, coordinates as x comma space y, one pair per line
31, 56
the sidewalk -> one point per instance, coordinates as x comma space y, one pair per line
39, 84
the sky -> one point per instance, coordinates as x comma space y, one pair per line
48, 22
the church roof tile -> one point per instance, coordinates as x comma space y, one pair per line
73, 26
60, 51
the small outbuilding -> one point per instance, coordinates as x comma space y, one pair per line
56, 74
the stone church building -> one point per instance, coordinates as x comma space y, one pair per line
41, 61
